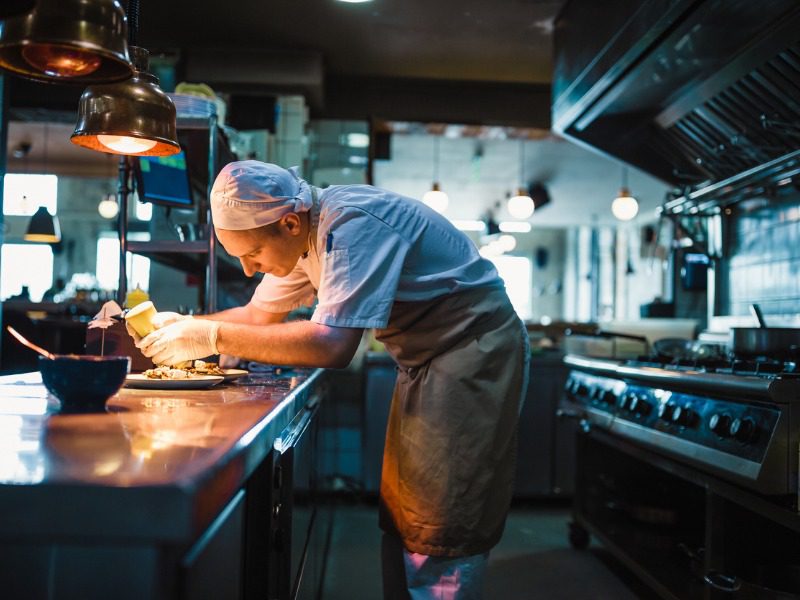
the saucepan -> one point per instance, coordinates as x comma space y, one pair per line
763, 340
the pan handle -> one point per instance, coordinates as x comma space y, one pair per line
756, 310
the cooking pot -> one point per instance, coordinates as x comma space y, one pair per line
763, 340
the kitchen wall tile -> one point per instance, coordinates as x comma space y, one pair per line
764, 258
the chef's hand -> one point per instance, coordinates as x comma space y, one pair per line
181, 341
161, 319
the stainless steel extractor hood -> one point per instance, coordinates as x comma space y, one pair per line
703, 94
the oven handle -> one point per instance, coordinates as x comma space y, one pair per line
722, 582
583, 422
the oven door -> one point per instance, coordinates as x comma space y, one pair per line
294, 509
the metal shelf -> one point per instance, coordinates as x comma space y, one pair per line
189, 257
196, 257
168, 246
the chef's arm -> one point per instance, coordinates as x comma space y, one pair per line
247, 314
300, 343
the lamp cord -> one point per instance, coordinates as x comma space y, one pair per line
436, 159
522, 163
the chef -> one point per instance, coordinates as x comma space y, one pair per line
374, 259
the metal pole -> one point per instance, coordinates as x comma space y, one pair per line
211, 270
123, 190
3, 157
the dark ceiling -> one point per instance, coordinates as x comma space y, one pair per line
499, 41
462, 61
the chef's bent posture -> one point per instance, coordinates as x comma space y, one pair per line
374, 259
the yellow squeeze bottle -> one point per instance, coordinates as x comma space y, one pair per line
140, 318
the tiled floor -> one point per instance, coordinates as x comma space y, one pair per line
533, 560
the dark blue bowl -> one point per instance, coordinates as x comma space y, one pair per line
83, 383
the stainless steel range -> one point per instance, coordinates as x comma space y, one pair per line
687, 470
737, 419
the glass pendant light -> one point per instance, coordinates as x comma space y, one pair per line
521, 206
108, 207
131, 117
435, 197
67, 41
624, 207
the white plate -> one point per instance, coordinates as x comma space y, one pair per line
231, 374
137, 380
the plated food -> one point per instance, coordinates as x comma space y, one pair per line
200, 375
139, 380
199, 367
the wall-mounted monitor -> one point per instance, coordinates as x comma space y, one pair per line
164, 180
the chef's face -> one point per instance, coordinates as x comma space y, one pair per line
273, 249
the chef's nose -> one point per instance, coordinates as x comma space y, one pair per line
248, 267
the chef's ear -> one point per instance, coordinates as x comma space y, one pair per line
291, 222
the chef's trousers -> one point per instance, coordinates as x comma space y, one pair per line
412, 576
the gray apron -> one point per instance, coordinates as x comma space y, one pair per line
449, 459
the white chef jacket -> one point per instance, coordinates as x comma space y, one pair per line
368, 248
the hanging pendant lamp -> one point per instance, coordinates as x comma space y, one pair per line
625, 207
521, 205
67, 41
43, 227
131, 117
435, 197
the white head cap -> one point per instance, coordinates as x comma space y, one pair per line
250, 194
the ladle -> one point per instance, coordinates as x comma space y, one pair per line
29, 344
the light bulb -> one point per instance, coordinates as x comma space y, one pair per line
436, 199
520, 206
125, 144
60, 61
507, 242
625, 207
108, 207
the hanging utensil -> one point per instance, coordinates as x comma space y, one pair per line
29, 344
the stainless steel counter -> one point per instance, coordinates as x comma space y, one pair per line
157, 465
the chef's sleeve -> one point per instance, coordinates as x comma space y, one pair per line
361, 266
284, 294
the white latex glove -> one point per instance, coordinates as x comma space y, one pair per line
161, 319
226, 361
183, 340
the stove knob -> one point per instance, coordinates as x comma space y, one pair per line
633, 402
743, 430
720, 424
643, 407
683, 415
665, 411
609, 398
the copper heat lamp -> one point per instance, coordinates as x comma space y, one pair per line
67, 41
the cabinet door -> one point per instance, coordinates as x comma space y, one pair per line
536, 421
212, 568
380, 380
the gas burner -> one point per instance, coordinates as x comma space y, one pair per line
753, 367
